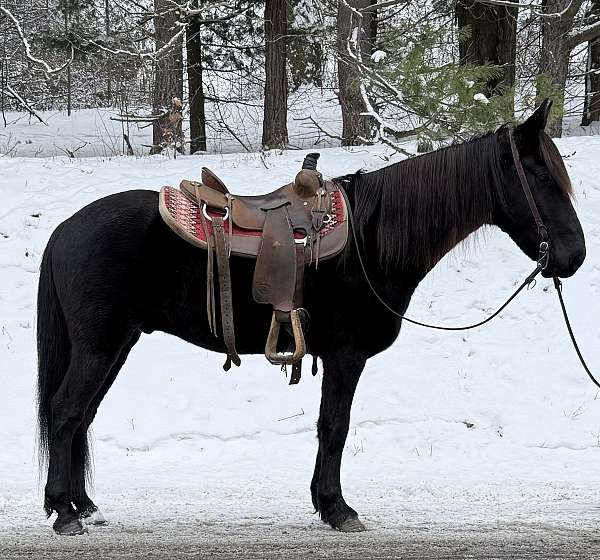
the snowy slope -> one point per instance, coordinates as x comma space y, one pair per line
96, 133
498, 422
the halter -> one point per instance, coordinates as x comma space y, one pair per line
544, 249
541, 264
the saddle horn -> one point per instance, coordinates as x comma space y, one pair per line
310, 161
309, 180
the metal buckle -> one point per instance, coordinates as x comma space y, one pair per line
303, 241
207, 216
544, 254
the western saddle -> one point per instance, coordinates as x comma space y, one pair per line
294, 226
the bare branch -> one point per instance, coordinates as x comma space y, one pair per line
385, 4
12, 93
569, 11
510, 4
587, 33
27, 46
356, 12
327, 133
153, 54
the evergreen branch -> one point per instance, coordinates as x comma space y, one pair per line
28, 51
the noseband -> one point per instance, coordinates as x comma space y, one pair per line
542, 263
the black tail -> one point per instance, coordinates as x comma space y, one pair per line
52, 345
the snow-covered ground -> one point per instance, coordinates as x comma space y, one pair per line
499, 423
96, 133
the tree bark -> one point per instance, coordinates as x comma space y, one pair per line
554, 62
558, 40
275, 133
357, 34
168, 78
591, 106
491, 38
195, 86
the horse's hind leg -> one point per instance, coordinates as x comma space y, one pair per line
84, 505
88, 369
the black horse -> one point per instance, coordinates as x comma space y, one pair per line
114, 270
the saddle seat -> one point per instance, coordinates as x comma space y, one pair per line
296, 225
250, 211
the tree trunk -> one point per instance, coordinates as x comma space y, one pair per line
107, 32
554, 63
356, 127
168, 79
275, 133
195, 86
491, 38
69, 85
591, 106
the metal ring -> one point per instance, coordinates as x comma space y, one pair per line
207, 216
327, 218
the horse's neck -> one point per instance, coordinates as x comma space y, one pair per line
439, 233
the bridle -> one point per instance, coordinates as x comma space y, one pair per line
541, 264
544, 249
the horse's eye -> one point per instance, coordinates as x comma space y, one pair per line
543, 177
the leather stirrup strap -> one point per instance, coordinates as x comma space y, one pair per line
225, 293
297, 365
210, 277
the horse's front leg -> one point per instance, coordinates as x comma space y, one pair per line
341, 371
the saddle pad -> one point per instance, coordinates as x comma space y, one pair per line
183, 217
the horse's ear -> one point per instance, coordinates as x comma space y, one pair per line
537, 120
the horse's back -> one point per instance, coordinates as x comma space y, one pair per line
101, 257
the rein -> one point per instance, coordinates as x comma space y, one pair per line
542, 263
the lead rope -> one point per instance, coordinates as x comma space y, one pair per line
558, 286
541, 264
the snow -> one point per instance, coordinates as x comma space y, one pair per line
378, 56
498, 423
481, 98
95, 133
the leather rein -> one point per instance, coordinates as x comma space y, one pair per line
541, 264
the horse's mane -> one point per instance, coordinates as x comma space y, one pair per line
422, 207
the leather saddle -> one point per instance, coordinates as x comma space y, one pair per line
292, 227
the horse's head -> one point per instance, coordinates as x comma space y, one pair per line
551, 189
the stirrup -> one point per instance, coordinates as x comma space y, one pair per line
285, 358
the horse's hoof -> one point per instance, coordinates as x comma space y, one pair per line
94, 518
351, 525
70, 529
